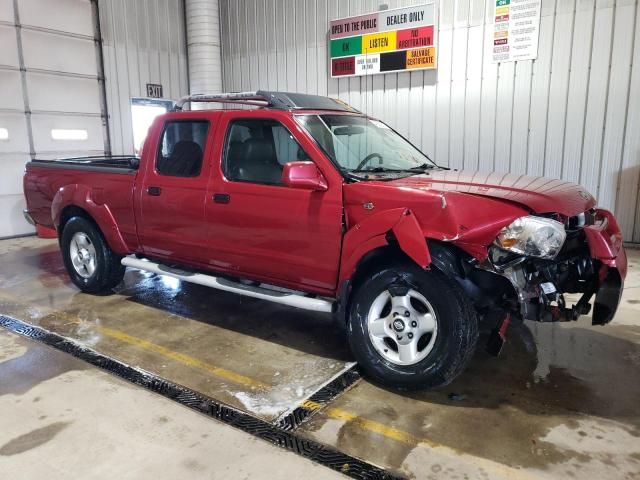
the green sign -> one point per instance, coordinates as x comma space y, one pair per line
343, 47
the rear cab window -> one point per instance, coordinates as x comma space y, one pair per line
181, 149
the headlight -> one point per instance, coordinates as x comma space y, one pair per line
534, 236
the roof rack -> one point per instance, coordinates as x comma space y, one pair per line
276, 100
244, 98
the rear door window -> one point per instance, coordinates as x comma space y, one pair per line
181, 149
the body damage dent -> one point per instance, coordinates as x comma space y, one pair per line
372, 233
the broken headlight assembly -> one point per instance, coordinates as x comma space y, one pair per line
533, 236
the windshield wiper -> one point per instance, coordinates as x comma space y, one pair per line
421, 168
418, 169
375, 170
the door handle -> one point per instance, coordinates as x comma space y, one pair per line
221, 198
154, 191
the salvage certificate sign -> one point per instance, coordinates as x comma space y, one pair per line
516, 30
386, 41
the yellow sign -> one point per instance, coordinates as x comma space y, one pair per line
379, 42
502, 10
421, 58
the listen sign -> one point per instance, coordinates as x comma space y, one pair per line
387, 41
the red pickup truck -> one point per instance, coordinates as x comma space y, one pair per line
304, 201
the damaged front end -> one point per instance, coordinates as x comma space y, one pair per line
589, 260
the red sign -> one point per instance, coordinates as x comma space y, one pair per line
415, 38
502, 18
343, 66
501, 41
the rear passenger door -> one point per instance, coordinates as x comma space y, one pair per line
172, 193
261, 228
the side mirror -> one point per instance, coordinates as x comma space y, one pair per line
304, 175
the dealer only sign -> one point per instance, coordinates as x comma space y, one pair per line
386, 41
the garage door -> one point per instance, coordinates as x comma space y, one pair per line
51, 97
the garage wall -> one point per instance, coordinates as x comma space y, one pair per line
573, 113
143, 42
48, 82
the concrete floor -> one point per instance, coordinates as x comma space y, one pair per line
561, 401
70, 420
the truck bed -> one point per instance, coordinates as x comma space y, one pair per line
97, 163
107, 183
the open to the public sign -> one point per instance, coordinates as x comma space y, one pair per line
386, 41
154, 90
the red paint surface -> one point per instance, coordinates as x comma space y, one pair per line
44, 232
297, 237
343, 66
414, 38
303, 175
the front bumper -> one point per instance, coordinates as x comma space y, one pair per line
592, 263
606, 248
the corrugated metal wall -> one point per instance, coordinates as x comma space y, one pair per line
144, 42
573, 113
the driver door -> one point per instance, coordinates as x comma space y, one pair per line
262, 228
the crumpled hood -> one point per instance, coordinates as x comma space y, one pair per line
539, 194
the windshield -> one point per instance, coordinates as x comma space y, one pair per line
360, 144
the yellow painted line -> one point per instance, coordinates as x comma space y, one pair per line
181, 358
376, 427
498, 470
160, 350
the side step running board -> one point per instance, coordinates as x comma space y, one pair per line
285, 298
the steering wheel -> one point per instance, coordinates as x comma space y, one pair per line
367, 159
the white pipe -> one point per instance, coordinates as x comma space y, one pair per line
292, 300
203, 47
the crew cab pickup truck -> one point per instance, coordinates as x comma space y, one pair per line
304, 201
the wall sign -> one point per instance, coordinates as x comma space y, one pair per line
386, 41
516, 30
154, 90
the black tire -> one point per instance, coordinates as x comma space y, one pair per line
108, 270
457, 328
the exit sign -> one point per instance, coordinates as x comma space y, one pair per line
154, 90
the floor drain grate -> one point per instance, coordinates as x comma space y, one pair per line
281, 434
319, 399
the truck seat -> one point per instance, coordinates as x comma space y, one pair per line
185, 160
257, 162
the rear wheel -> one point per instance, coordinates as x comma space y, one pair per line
410, 328
91, 264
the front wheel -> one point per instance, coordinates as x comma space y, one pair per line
410, 328
92, 266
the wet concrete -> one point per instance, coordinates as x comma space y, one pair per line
558, 399
32, 439
85, 423
561, 401
255, 355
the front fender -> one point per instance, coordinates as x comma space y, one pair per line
81, 196
372, 233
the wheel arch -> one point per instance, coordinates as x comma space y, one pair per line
77, 200
445, 257
397, 226
393, 234
70, 211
